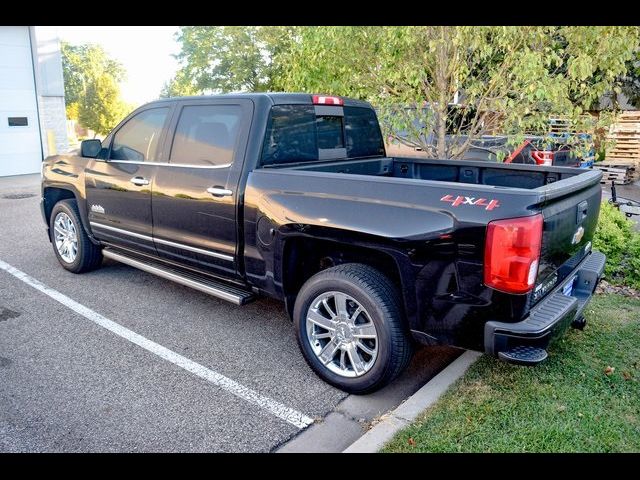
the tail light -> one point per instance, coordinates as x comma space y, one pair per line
543, 157
327, 100
512, 253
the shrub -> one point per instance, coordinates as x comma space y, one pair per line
616, 238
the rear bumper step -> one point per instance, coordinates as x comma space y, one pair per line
524, 355
202, 283
525, 342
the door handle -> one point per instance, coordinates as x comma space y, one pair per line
139, 181
219, 192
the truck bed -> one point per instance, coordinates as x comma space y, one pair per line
528, 177
420, 201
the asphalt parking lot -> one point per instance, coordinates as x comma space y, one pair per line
69, 383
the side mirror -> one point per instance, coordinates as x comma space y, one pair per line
90, 148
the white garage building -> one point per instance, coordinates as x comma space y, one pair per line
32, 109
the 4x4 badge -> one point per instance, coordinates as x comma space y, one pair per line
476, 202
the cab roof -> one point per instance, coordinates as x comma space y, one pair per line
275, 98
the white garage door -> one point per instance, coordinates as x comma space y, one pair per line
20, 150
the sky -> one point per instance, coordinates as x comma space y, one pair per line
145, 53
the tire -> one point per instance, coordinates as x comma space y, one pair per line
88, 255
361, 286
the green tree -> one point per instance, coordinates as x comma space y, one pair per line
74, 80
179, 86
631, 81
92, 93
102, 107
513, 78
229, 58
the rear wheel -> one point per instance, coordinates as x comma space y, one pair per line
350, 328
71, 244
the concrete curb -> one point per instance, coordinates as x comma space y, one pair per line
408, 411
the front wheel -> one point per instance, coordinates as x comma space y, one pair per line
71, 244
350, 328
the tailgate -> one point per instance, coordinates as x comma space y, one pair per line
569, 225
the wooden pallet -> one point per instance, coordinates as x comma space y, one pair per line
619, 172
630, 156
614, 164
616, 180
618, 169
631, 153
628, 161
625, 147
624, 142
624, 139
615, 133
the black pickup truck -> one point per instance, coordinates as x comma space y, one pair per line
292, 196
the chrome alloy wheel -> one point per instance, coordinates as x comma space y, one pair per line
342, 334
66, 237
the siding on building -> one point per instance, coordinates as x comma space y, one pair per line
20, 150
50, 89
37, 96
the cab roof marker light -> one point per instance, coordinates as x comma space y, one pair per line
327, 100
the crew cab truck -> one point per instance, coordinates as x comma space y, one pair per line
292, 196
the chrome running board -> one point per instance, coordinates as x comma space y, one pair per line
202, 283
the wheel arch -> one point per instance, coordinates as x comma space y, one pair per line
51, 195
303, 256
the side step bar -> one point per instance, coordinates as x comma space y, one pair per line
215, 288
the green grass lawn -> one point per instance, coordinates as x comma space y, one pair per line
573, 402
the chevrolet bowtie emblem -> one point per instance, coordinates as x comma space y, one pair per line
578, 236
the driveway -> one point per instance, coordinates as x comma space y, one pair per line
121, 360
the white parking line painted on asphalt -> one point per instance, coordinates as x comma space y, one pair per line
287, 414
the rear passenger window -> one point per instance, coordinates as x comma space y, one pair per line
206, 135
137, 140
291, 135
